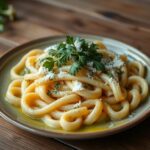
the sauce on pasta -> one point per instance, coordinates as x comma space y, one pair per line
76, 83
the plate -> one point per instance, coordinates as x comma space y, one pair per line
17, 118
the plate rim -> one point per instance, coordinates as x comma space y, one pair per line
72, 135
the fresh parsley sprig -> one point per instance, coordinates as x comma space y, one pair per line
7, 13
77, 50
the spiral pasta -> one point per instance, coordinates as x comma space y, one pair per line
63, 100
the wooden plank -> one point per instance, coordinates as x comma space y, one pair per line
22, 31
69, 21
5, 45
136, 138
13, 138
118, 10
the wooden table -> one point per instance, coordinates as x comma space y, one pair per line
127, 21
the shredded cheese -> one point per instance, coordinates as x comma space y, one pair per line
43, 70
77, 45
116, 63
77, 105
77, 86
50, 47
49, 76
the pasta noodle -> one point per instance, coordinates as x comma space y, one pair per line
69, 101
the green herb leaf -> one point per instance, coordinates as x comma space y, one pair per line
48, 63
55, 90
69, 40
74, 68
110, 74
1, 27
98, 66
49, 93
57, 85
3, 5
7, 13
77, 50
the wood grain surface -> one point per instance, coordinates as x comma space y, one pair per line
124, 20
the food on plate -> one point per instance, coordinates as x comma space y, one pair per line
77, 83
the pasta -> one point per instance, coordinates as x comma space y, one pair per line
72, 90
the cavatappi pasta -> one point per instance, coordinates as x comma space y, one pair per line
69, 101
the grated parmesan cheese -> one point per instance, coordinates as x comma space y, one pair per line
131, 115
90, 67
43, 70
50, 47
90, 64
116, 63
77, 86
42, 56
110, 79
62, 74
77, 105
111, 125
77, 44
49, 76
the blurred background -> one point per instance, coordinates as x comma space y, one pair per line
125, 20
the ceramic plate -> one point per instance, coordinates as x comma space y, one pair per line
17, 118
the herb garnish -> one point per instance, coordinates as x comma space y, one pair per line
55, 90
77, 50
7, 12
115, 73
